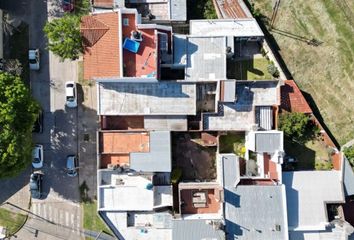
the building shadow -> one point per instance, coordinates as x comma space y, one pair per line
319, 117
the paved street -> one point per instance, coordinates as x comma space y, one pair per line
58, 215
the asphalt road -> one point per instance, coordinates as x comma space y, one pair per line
58, 215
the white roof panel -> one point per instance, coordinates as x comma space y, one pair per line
245, 27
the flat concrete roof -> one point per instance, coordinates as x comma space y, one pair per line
206, 58
145, 98
306, 194
240, 115
163, 123
242, 27
126, 193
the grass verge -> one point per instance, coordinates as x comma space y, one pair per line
11, 221
92, 220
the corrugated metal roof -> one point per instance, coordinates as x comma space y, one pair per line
159, 157
269, 142
178, 10
231, 170
306, 194
229, 90
116, 97
264, 117
195, 230
256, 212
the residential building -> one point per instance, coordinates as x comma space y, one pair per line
165, 101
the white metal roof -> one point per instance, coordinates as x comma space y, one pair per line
243, 27
306, 193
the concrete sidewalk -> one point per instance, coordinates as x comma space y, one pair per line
87, 127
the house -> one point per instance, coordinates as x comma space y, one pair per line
252, 211
308, 193
118, 45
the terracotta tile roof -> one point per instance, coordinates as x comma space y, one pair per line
233, 9
292, 99
102, 59
103, 3
92, 30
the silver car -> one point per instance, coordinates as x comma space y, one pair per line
33, 57
71, 165
71, 94
37, 156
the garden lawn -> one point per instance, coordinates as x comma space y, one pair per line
11, 221
311, 155
252, 69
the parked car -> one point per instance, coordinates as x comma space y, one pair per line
71, 165
38, 125
37, 156
33, 57
71, 95
36, 185
68, 5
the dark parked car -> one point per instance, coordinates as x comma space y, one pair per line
38, 125
71, 165
68, 5
36, 185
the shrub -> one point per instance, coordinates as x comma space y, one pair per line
273, 70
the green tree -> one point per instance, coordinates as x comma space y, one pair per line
64, 37
18, 112
349, 153
295, 125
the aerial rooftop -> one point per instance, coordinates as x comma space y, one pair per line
241, 27
306, 193
117, 97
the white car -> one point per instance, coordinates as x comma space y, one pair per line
33, 57
37, 156
71, 94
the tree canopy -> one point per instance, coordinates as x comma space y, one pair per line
18, 112
297, 126
64, 37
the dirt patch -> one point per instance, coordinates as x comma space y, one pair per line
196, 161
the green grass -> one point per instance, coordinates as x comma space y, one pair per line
232, 143
11, 221
92, 220
251, 69
311, 155
325, 72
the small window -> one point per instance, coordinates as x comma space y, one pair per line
126, 21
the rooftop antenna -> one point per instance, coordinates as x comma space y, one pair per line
146, 61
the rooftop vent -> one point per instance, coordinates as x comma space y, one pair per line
136, 36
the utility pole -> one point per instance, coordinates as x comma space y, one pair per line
274, 13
